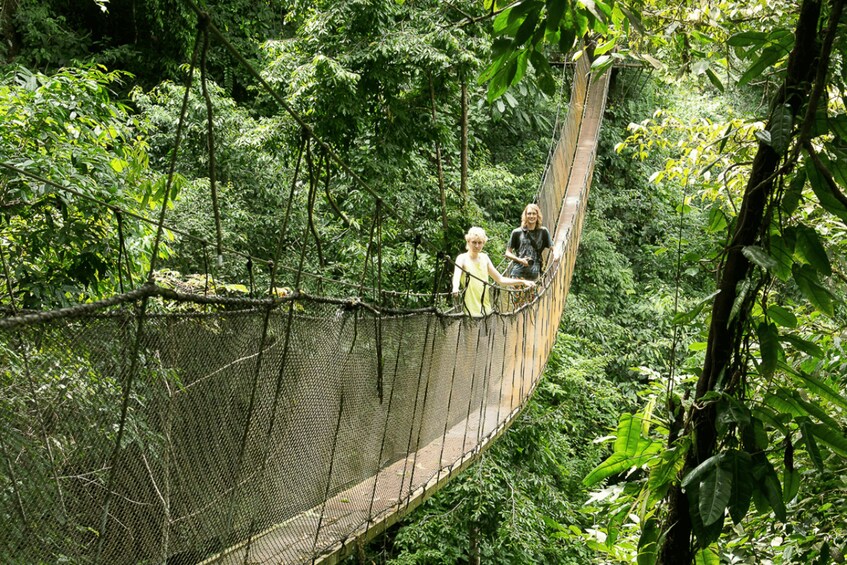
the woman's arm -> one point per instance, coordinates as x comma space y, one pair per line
509, 254
457, 273
505, 281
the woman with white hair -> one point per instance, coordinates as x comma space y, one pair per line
472, 271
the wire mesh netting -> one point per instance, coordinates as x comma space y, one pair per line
261, 431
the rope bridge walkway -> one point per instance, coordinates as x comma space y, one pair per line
266, 430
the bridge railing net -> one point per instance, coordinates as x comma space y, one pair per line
253, 431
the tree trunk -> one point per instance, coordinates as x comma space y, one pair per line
724, 333
438, 161
464, 149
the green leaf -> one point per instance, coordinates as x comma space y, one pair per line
838, 125
804, 345
782, 316
810, 248
782, 251
707, 556
717, 220
738, 464
741, 294
682, 318
705, 534
807, 281
784, 404
747, 39
767, 58
715, 489
811, 445
772, 490
794, 192
631, 449
715, 80
648, 542
791, 481
821, 189
818, 412
769, 347
567, 38
760, 257
555, 9
771, 417
665, 472
527, 28
833, 438
780, 127
753, 435
696, 475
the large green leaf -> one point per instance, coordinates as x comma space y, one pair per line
707, 556
527, 28
814, 410
833, 438
665, 472
693, 478
811, 444
780, 127
807, 281
753, 435
782, 316
747, 38
791, 482
769, 347
838, 125
715, 490
783, 403
821, 189
555, 9
817, 386
705, 535
760, 257
738, 465
631, 449
804, 345
767, 58
770, 487
782, 250
648, 542
794, 192
810, 248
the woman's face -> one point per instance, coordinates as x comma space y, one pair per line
475, 243
531, 217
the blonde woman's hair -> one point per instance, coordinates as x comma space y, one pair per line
539, 222
475, 232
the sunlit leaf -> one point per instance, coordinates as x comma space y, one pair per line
759, 256
707, 556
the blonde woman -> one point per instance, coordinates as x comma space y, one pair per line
527, 245
472, 271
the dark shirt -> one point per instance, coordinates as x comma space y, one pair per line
529, 244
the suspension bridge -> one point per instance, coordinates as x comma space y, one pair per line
266, 430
